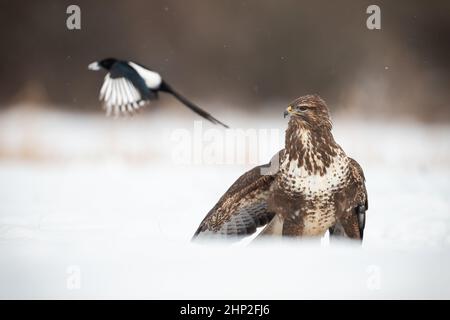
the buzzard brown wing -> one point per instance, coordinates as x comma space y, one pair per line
353, 204
243, 207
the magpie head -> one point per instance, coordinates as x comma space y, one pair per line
105, 63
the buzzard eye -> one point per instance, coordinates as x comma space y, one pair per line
302, 108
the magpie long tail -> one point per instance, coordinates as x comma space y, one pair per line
166, 88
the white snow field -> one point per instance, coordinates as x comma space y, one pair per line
93, 207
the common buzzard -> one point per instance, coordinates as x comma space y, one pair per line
315, 187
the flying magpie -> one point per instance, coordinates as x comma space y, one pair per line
129, 85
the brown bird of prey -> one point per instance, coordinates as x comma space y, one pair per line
314, 187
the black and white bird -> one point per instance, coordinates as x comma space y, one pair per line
128, 86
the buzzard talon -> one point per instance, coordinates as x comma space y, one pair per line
337, 231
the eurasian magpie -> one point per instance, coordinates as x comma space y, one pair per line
129, 86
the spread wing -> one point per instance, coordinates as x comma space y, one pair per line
243, 207
353, 203
124, 90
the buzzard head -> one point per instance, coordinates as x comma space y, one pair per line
309, 110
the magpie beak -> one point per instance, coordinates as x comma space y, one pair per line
94, 66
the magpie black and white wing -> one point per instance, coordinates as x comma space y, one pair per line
243, 207
124, 90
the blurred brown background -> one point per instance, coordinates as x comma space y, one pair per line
245, 53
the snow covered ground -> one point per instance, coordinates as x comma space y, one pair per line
92, 207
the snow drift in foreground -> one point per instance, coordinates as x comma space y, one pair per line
100, 208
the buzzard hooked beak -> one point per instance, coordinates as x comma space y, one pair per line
287, 112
